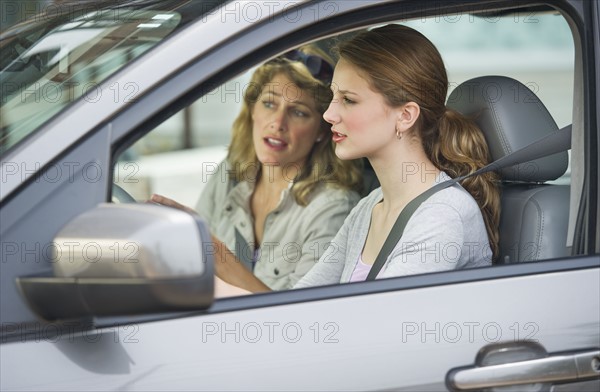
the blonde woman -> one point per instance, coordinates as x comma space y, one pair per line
281, 194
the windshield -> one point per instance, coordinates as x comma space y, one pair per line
53, 60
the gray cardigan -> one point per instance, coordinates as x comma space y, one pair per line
446, 232
295, 236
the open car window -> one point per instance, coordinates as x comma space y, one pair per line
177, 157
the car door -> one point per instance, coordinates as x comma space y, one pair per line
409, 333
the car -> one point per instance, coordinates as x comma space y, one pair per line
99, 292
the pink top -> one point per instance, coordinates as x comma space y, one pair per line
360, 271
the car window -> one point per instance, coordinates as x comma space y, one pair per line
177, 158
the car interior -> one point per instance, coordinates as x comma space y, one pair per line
535, 195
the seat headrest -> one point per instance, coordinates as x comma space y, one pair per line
511, 117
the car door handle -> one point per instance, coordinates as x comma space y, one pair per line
570, 367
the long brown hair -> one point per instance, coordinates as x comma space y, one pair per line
404, 66
322, 166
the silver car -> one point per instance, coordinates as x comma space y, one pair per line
104, 103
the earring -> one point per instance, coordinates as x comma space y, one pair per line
318, 139
398, 133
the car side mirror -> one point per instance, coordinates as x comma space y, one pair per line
125, 259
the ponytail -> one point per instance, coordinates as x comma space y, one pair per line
461, 149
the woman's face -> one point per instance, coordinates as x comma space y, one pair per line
286, 123
362, 122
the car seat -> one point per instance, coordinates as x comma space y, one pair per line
534, 214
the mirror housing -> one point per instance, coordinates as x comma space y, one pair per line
125, 259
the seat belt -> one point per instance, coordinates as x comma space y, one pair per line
551, 144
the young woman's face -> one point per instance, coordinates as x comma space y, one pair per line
362, 122
286, 123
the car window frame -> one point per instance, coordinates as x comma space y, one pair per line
127, 131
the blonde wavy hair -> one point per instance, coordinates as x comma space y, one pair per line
322, 165
404, 66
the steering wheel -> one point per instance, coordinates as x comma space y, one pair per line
119, 195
